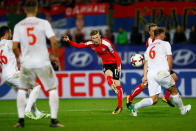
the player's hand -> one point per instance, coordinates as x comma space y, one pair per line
144, 80
66, 38
55, 60
119, 69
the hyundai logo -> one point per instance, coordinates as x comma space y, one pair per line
183, 57
80, 59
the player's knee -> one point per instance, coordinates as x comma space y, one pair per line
108, 73
173, 90
155, 100
144, 86
174, 76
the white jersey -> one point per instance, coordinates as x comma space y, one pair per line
7, 60
31, 33
156, 54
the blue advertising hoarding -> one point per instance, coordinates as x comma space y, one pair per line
184, 57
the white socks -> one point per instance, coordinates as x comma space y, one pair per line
54, 103
178, 101
143, 103
21, 102
32, 98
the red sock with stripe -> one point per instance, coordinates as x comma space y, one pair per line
110, 80
167, 95
119, 96
135, 92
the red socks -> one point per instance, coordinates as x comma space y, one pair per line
119, 96
110, 80
135, 92
167, 95
119, 88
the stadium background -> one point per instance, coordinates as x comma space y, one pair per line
80, 74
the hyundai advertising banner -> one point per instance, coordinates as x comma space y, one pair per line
184, 56
92, 84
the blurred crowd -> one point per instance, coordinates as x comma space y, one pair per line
135, 36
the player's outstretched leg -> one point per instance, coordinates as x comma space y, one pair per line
166, 99
178, 101
143, 103
119, 96
21, 101
54, 104
32, 98
134, 93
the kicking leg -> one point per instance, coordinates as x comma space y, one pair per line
135, 92
31, 100
119, 96
178, 101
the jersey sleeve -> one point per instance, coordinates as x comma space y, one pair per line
16, 35
76, 45
168, 48
48, 30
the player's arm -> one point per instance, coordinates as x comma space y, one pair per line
54, 45
74, 44
16, 42
16, 49
169, 55
144, 79
118, 60
170, 61
53, 42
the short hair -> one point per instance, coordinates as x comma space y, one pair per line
151, 25
94, 32
3, 30
31, 5
158, 31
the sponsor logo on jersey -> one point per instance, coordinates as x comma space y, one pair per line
80, 59
183, 57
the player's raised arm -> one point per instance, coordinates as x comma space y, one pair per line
74, 44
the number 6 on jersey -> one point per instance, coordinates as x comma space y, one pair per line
152, 53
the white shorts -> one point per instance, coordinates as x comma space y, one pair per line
14, 81
46, 75
159, 79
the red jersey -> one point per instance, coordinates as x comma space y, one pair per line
105, 51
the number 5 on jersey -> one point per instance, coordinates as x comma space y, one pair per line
152, 53
30, 34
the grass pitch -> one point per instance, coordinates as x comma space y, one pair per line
96, 115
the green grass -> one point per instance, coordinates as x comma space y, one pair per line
96, 115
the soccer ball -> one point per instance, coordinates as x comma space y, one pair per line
137, 60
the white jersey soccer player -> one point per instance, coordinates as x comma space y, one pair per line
159, 63
31, 33
11, 75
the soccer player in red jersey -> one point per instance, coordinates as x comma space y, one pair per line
110, 59
144, 84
